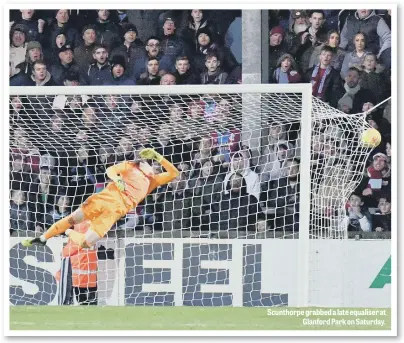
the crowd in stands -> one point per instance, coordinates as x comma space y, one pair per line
60, 151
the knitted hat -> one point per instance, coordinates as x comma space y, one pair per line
277, 29
65, 47
298, 14
21, 28
33, 45
126, 27
118, 59
88, 27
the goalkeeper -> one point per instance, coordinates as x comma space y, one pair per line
132, 182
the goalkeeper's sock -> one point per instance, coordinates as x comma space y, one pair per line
58, 228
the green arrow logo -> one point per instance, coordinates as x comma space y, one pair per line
384, 276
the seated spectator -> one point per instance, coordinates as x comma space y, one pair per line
168, 79
83, 54
373, 80
358, 217
40, 76
171, 45
60, 25
207, 45
325, 80
99, 72
124, 150
285, 71
381, 220
237, 209
62, 209
107, 31
64, 66
198, 20
355, 58
131, 47
24, 69
355, 97
333, 42
377, 32
106, 158
277, 48
240, 163
151, 77
119, 74
276, 168
213, 73
18, 47
184, 74
312, 37
20, 214
34, 28
19, 178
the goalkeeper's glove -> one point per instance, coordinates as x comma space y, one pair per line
120, 183
151, 154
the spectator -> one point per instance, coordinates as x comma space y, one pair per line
98, 73
151, 77
33, 27
19, 178
131, 47
65, 66
382, 217
355, 58
213, 73
168, 79
276, 166
355, 97
240, 163
315, 35
62, 209
119, 74
235, 76
83, 54
107, 31
197, 20
286, 71
333, 42
358, 217
20, 215
184, 75
237, 209
52, 54
298, 24
376, 30
60, 25
33, 53
207, 45
277, 47
18, 46
373, 80
325, 80
40, 76
376, 120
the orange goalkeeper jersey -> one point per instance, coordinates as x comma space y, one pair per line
137, 184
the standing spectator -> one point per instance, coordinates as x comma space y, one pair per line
184, 74
325, 80
277, 47
119, 74
106, 30
52, 54
61, 25
315, 35
20, 214
18, 47
213, 74
171, 45
65, 66
40, 76
298, 24
373, 80
147, 20
151, 77
99, 72
84, 53
333, 43
355, 58
197, 20
355, 97
131, 47
33, 27
34, 53
376, 30
286, 71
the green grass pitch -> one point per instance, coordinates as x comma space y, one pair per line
175, 318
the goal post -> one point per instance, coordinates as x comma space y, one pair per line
234, 207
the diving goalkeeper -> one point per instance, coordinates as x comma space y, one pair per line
132, 182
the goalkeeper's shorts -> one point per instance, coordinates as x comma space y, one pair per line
104, 209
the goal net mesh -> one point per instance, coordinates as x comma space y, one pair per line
239, 158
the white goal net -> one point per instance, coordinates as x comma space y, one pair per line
257, 165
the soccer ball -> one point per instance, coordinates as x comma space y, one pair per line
371, 138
